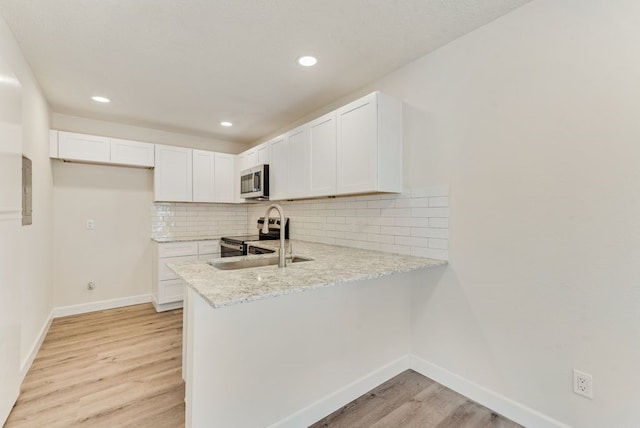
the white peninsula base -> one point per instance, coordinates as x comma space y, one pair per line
290, 360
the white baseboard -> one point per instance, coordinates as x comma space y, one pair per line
339, 398
26, 364
505, 406
101, 305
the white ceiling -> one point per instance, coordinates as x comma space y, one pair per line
185, 65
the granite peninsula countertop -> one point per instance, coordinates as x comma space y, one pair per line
331, 265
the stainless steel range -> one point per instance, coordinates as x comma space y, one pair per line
231, 246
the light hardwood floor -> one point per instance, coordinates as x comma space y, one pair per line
411, 400
113, 368
122, 368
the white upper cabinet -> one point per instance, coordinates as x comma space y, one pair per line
255, 156
104, 150
224, 178
134, 153
298, 176
173, 176
243, 161
279, 168
262, 154
369, 145
203, 176
322, 156
213, 176
88, 148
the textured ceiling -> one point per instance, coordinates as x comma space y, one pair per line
185, 65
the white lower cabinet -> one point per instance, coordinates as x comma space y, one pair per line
168, 288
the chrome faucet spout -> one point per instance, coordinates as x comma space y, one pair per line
265, 229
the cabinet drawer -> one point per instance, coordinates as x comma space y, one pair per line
170, 291
165, 273
209, 247
175, 249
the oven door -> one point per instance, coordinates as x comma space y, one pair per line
228, 249
258, 250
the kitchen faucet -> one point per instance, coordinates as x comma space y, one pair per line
265, 229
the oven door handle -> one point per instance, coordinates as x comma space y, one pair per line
231, 246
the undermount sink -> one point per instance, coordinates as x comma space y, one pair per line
245, 264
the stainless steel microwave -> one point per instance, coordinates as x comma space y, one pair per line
254, 183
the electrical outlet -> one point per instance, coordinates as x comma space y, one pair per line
91, 224
582, 383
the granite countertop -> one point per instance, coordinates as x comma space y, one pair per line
331, 265
188, 239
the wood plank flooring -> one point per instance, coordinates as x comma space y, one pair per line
122, 368
113, 368
411, 400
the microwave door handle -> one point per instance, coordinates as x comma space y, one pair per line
256, 181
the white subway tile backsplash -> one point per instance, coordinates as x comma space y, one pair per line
439, 201
429, 232
430, 252
439, 222
429, 212
415, 222
382, 203
397, 249
412, 203
395, 230
395, 212
412, 241
442, 244
197, 220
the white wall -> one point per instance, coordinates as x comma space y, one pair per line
26, 250
533, 122
116, 255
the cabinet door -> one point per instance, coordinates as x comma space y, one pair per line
248, 159
125, 152
173, 180
279, 169
322, 163
357, 146
242, 161
298, 162
263, 154
83, 147
224, 178
203, 176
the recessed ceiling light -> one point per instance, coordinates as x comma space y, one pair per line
225, 123
101, 99
307, 61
